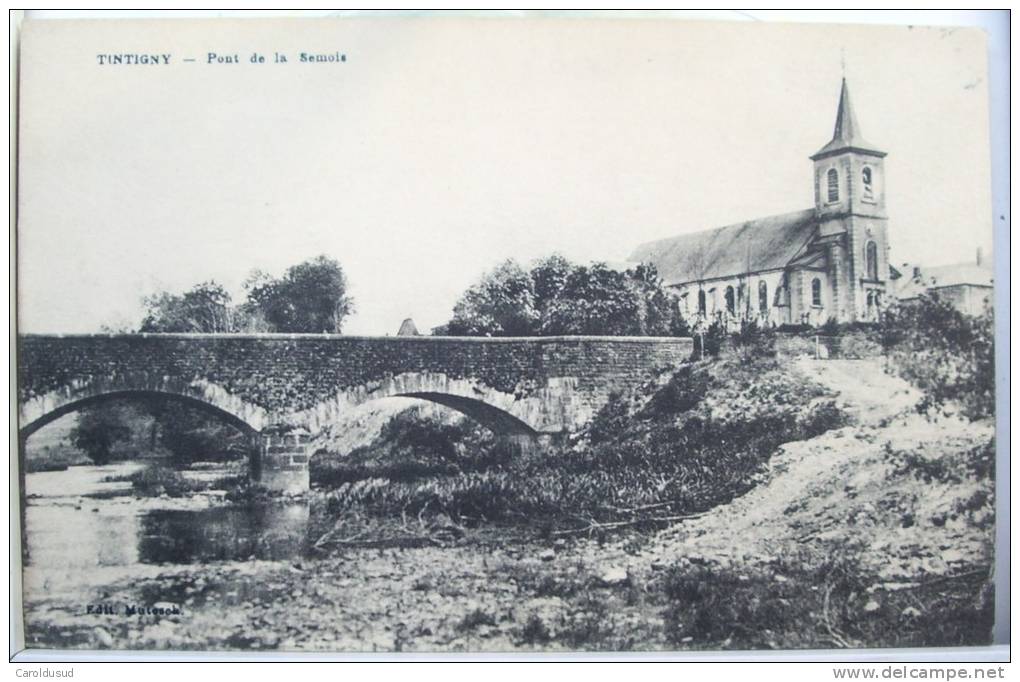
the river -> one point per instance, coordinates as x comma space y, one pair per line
240, 577
81, 519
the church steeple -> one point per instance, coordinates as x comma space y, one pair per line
852, 221
846, 136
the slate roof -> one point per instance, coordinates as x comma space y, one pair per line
911, 285
847, 133
752, 246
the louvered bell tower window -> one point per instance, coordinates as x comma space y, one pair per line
832, 179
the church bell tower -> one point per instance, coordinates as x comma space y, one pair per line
850, 208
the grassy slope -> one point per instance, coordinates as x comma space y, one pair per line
875, 534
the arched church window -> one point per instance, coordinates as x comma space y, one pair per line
731, 304
816, 292
763, 297
871, 260
832, 178
702, 305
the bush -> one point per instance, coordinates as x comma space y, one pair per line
977, 463
755, 340
535, 631
720, 608
156, 479
475, 619
945, 353
587, 628
787, 328
830, 328
684, 390
826, 598
413, 446
710, 342
99, 428
820, 417
611, 419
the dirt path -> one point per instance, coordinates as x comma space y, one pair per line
866, 391
845, 489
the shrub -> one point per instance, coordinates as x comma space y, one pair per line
709, 342
822, 416
156, 480
588, 627
945, 353
830, 328
535, 631
819, 603
826, 595
755, 339
977, 463
98, 429
684, 390
611, 419
475, 619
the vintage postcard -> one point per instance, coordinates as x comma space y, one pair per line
553, 334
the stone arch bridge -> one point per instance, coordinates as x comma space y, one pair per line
283, 388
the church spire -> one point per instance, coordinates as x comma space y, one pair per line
846, 123
847, 133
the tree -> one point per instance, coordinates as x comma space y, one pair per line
99, 428
594, 300
501, 303
204, 308
558, 297
192, 435
549, 275
310, 297
659, 314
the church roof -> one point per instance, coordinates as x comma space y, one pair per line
847, 133
752, 246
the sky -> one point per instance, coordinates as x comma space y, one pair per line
441, 147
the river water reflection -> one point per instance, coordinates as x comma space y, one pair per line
78, 519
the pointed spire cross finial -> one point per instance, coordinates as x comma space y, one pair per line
846, 133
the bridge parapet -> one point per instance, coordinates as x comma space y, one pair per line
515, 386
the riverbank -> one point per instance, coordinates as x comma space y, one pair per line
839, 544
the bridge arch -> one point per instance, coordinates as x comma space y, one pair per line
41, 409
504, 413
493, 418
64, 408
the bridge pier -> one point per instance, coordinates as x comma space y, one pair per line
280, 460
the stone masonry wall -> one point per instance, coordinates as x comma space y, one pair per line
285, 374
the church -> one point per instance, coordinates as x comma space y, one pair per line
830, 261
